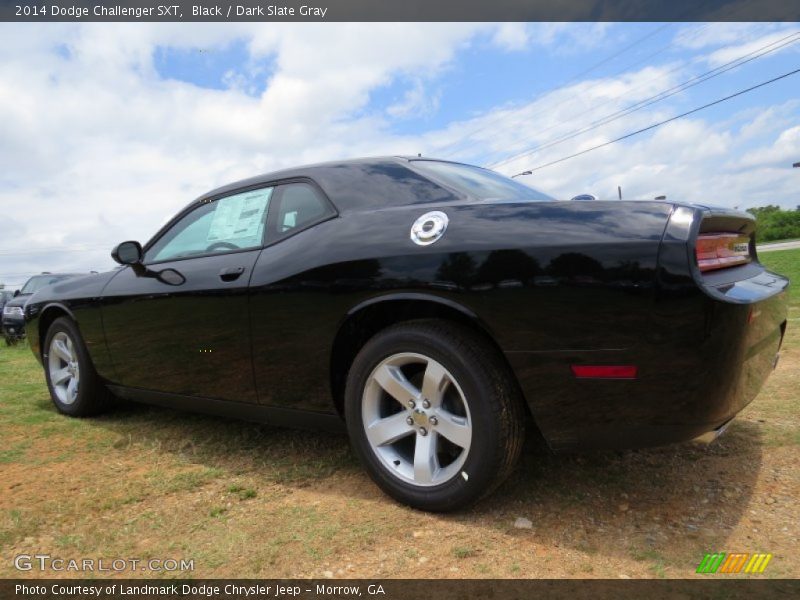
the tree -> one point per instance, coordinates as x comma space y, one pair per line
774, 223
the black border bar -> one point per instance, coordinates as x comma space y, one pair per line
716, 586
399, 10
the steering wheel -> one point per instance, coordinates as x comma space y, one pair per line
222, 246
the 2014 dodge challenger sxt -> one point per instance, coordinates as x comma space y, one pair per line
433, 308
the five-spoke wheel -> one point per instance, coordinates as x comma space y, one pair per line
416, 418
62, 362
75, 387
433, 414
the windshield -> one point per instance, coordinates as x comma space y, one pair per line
480, 183
37, 282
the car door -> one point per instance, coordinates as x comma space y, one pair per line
290, 309
179, 323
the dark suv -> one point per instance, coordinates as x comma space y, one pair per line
5, 296
14, 308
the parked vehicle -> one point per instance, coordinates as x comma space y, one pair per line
5, 296
431, 309
13, 321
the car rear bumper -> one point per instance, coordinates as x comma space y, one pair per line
703, 359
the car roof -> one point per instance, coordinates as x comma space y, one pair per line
358, 183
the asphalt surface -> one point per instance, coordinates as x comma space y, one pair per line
779, 246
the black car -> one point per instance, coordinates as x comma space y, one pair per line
5, 296
430, 308
13, 310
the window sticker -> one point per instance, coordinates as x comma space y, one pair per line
239, 216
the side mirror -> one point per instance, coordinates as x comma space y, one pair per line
16, 293
128, 253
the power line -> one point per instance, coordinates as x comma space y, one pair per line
653, 126
574, 99
594, 67
697, 80
56, 249
595, 107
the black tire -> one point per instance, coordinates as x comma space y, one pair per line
11, 341
494, 402
92, 397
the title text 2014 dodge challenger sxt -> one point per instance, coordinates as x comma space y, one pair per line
434, 308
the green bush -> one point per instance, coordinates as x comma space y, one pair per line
774, 223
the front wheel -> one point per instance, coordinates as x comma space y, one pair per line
75, 387
433, 414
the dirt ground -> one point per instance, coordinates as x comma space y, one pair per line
242, 500
245, 500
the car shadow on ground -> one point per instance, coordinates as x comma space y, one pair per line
647, 504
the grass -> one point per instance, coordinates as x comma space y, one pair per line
464, 552
248, 500
786, 263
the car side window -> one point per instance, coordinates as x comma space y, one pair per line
226, 225
298, 206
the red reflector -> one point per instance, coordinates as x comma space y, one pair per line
605, 371
720, 250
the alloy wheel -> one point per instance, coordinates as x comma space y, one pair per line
64, 368
416, 419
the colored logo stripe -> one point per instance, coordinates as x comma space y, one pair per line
758, 563
734, 563
711, 563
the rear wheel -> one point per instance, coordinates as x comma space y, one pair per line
433, 414
75, 387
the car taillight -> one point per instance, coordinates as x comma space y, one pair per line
720, 250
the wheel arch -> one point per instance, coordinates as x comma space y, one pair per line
47, 315
368, 318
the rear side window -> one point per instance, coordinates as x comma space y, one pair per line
297, 206
482, 184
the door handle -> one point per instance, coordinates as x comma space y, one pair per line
231, 273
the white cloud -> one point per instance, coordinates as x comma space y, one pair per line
570, 38
780, 41
512, 130
784, 151
98, 148
710, 35
512, 36
762, 122
689, 160
418, 101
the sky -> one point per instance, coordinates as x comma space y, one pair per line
107, 130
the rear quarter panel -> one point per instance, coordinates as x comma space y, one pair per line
549, 281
